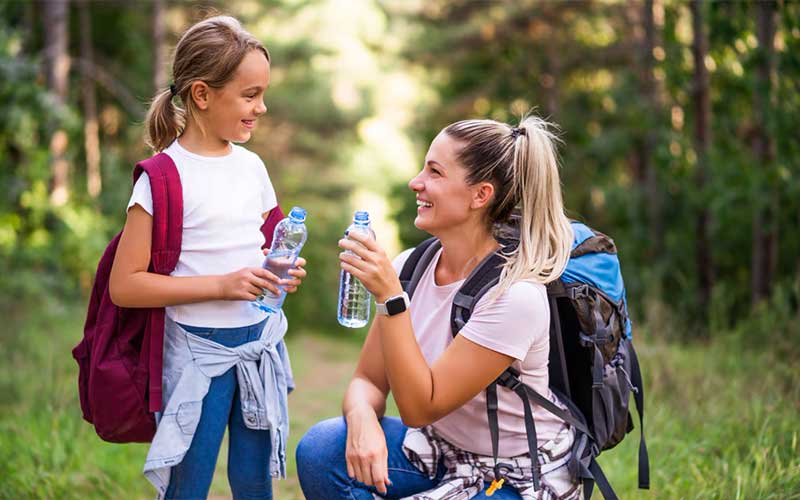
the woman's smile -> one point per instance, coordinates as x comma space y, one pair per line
423, 205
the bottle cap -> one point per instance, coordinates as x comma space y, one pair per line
297, 215
361, 217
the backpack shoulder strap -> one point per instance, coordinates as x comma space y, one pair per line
417, 263
165, 186
480, 280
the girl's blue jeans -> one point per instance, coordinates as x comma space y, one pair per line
323, 475
248, 449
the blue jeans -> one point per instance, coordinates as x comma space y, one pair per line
248, 450
323, 475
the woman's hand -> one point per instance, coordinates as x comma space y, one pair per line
366, 453
248, 284
370, 265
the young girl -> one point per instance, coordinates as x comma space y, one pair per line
225, 364
476, 173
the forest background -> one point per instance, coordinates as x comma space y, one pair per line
676, 118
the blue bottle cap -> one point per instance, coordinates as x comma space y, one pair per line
297, 215
361, 217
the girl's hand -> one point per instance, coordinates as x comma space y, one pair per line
370, 265
366, 454
248, 283
298, 273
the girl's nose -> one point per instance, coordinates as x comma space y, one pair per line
261, 108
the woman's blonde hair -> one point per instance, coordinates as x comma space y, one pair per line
522, 165
209, 51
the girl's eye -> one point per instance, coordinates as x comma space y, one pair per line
435, 171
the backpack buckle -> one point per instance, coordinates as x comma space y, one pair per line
576, 292
509, 380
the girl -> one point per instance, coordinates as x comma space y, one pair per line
220, 74
476, 173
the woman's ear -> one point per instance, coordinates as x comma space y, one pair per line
482, 194
199, 93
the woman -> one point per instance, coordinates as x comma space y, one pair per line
476, 173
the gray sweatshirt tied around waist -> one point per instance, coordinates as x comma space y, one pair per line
264, 375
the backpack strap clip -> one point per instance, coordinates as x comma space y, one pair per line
577, 292
510, 379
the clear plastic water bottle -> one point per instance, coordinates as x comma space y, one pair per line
354, 298
287, 241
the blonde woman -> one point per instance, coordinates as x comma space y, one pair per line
476, 174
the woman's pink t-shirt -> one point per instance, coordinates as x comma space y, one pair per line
516, 324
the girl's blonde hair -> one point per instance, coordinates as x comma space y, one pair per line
522, 165
209, 51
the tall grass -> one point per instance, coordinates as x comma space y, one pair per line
721, 417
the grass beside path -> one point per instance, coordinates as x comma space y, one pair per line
722, 421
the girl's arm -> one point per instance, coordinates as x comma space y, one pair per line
131, 285
364, 404
423, 393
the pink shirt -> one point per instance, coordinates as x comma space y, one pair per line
516, 324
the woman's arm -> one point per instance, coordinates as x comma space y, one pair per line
423, 393
364, 404
368, 388
131, 285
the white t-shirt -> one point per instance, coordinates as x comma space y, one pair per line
516, 324
224, 198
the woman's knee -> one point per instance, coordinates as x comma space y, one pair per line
322, 445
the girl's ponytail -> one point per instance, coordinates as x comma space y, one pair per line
164, 121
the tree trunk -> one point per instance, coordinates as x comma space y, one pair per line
56, 19
702, 137
650, 173
90, 127
765, 230
159, 61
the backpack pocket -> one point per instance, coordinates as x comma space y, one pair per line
81, 355
610, 402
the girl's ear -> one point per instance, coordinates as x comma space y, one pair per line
482, 194
198, 92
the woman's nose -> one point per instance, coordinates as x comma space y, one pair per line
416, 184
261, 108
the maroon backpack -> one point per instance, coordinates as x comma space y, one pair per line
120, 355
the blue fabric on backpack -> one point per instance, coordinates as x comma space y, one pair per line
600, 270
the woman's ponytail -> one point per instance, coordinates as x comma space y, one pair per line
164, 121
545, 234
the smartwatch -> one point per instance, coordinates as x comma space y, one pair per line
393, 305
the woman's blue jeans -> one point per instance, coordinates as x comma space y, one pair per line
323, 475
248, 450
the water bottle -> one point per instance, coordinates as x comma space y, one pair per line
354, 298
287, 241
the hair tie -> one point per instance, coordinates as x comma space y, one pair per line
516, 132
172, 89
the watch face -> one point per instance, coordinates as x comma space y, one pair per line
395, 306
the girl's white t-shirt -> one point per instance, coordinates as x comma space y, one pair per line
224, 198
516, 324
